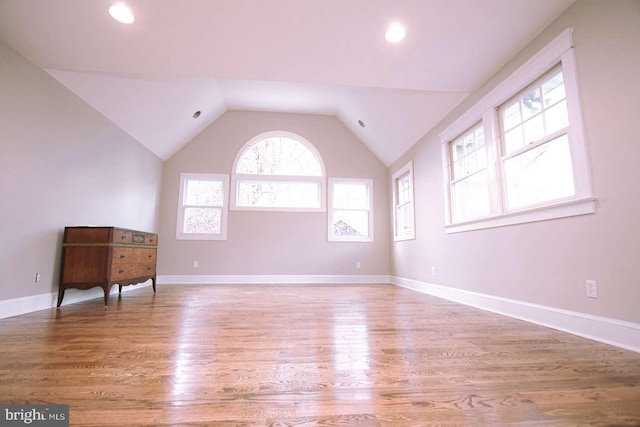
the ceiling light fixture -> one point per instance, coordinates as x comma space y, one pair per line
121, 13
395, 33
197, 114
361, 123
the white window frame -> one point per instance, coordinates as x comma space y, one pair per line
184, 177
411, 234
237, 178
330, 235
558, 51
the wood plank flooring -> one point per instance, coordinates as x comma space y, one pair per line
290, 355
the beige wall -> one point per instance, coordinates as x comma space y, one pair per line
61, 163
274, 242
548, 262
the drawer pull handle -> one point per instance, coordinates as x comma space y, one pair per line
150, 256
123, 237
148, 268
121, 271
122, 256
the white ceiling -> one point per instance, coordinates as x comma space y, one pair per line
308, 56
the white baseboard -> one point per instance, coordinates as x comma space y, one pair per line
270, 279
615, 332
17, 306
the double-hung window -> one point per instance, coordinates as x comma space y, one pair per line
469, 179
403, 207
278, 171
519, 154
536, 156
202, 207
350, 210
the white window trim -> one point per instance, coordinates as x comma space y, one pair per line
236, 178
397, 237
333, 238
180, 235
559, 50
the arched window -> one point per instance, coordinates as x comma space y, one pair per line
278, 171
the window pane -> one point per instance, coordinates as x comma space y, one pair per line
279, 194
459, 168
279, 156
470, 164
511, 115
533, 129
557, 117
540, 175
202, 220
350, 223
203, 193
468, 153
469, 143
481, 158
513, 140
405, 219
471, 197
350, 196
404, 189
553, 90
531, 104
457, 149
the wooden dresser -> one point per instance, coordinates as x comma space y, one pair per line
105, 256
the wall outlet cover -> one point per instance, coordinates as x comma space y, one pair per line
592, 289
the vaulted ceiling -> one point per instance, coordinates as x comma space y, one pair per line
307, 56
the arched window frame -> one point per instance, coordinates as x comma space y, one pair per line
238, 178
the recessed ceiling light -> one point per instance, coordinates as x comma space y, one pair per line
361, 123
121, 13
197, 114
395, 33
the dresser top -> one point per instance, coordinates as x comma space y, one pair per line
109, 227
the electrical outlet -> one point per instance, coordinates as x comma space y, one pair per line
38, 277
592, 289
433, 271
195, 263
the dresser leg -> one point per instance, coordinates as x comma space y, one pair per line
153, 282
107, 288
60, 296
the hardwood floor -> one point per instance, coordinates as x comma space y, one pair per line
370, 355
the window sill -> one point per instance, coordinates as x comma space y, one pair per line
404, 237
565, 209
201, 237
352, 240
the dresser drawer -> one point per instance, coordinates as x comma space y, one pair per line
129, 271
122, 236
147, 239
123, 256
145, 256
145, 270
123, 271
